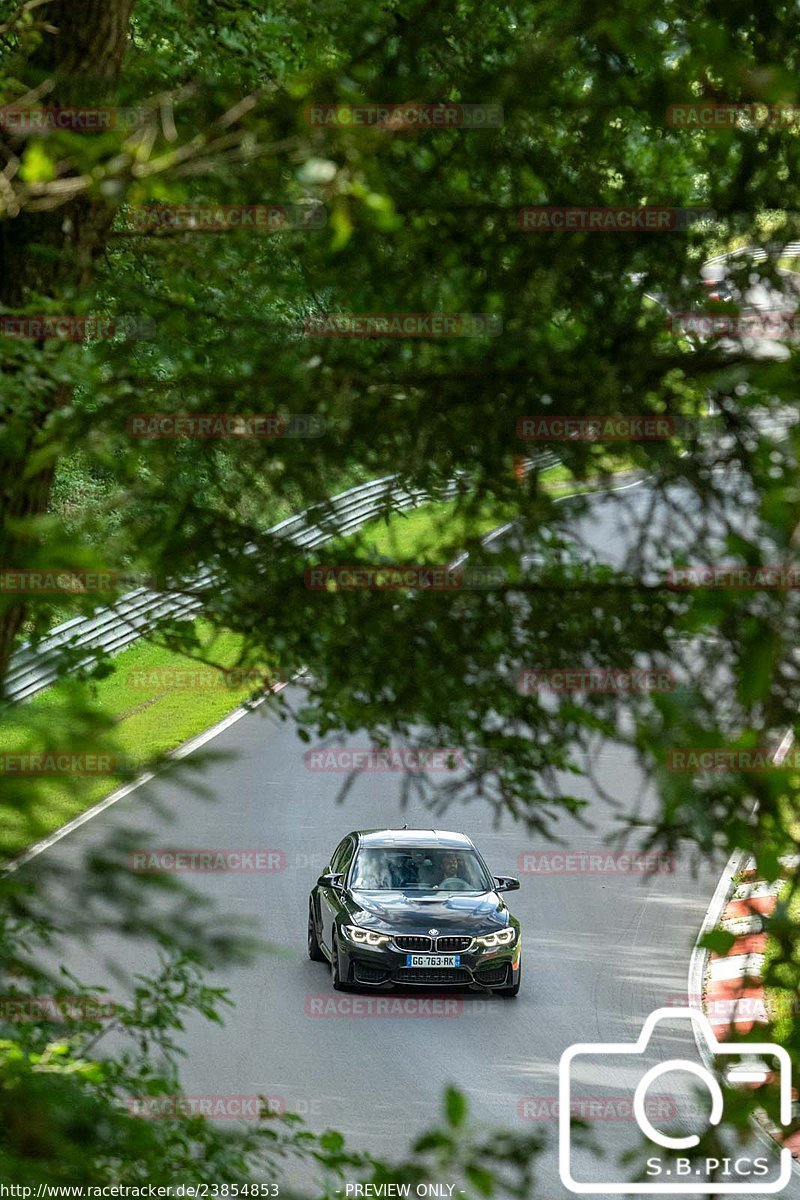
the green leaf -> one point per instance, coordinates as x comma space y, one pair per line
719, 941
437, 1139
757, 665
455, 1107
769, 864
37, 166
481, 1179
342, 226
332, 1141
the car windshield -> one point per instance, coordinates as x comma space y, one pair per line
419, 868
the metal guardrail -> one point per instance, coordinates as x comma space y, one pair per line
790, 250
73, 646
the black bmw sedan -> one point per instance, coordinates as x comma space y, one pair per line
414, 907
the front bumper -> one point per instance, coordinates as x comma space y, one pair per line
384, 967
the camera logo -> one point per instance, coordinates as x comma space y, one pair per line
669, 1173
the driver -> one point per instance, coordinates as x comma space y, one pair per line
451, 872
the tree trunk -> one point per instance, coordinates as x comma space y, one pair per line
52, 254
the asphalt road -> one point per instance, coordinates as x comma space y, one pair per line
601, 950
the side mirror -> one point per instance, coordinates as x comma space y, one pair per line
505, 883
334, 880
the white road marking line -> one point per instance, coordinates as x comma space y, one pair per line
182, 751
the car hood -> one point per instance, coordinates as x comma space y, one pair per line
417, 912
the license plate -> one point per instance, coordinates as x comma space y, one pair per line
433, 960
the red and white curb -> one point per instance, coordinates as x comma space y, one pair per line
731, 992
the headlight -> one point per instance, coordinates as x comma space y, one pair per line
503, 937
365, 937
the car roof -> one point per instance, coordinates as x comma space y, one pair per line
413, 837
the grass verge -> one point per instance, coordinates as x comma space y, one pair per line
781, 997
153, 701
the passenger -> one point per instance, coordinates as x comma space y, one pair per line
372, 874
425, 870
401, 870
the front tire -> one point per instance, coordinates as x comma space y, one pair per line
314, 949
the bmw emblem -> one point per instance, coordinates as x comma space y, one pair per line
433, 932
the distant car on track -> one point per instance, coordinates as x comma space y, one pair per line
414, 907
718, 288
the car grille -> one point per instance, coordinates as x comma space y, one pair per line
452, 945
369, 974
433, 975
414, 944
420, 944
496, 974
